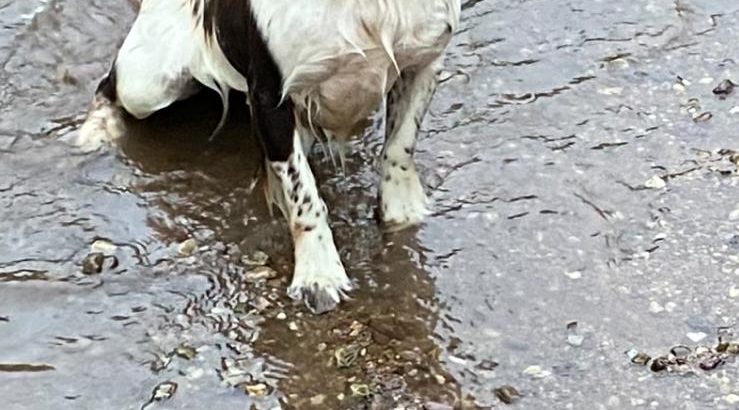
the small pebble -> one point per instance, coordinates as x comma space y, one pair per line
487, 365
164, 391
187, 248
696, 336
507, 394
575, 340
536, 372
638, 357
678, 87
655, 307
611, 91
345, 356
93, 263
256, 390
724, 88
574, 275
711, 362
731, 398
261, 303
655, 182
318, 399
258, 258
360, 390
703, 117
186, 352
573, 337
734, 215
700, 350
260, 274
103, 246
659, 364
281, 316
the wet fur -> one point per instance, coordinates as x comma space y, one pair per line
311, 69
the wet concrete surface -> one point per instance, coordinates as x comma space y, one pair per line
574, 175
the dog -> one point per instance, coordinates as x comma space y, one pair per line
310, 69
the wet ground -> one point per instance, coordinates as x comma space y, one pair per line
580, 170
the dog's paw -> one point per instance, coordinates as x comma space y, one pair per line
102, 127
320, 284
402, 201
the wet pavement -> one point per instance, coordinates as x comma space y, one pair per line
580, 170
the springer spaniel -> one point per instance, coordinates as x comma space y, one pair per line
311, 69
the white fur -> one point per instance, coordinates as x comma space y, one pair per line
317, 262
329, 62
402, 199
154, 63
338, 59
153, 69
318, 266
324, 69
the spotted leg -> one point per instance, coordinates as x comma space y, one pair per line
319, 278
402, 199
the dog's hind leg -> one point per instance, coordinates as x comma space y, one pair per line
403, 202
104, 122
150, 72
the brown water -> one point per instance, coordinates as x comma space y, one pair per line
552, 118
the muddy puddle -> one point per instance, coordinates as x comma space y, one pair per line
583, 177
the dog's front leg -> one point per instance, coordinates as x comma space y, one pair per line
319, 278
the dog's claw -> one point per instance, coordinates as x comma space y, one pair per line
317, 299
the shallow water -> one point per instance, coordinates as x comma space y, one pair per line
552, 118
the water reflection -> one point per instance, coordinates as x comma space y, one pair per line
381, 340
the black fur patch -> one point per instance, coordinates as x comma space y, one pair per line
106, 88
236, 30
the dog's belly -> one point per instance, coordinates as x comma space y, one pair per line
340, 57
353, 88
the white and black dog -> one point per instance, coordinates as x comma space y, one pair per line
311, 69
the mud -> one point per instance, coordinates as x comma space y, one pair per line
580, 167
